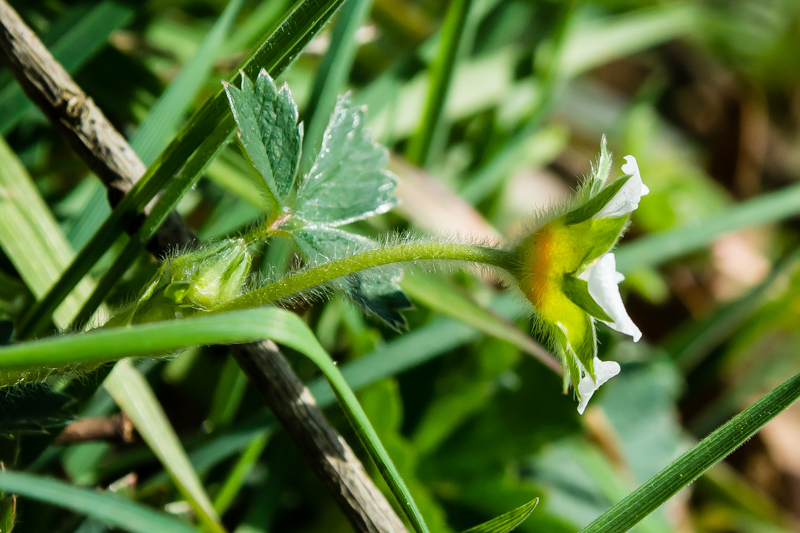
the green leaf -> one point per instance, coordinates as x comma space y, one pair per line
134, 396
212, 122
161, 121
333, 73
245, 326
348, 180
375, 291
506, 522
670, 244
268, 129
33, 241
168, 112
30, 236
32, 407
124, 514
455, 34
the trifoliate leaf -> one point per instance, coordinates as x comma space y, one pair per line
348, 180
375, 291
268, 129
32, 407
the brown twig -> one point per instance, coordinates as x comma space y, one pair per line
107, 153
114, 428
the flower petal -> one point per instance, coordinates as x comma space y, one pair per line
627, 198
604, 370
603, 279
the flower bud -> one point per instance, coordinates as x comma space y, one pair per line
196, 281
566, 270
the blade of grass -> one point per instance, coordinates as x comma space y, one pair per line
228, 395
167, 113
391, 359
136, 398
29, 234
45, 252
255, 26
597, 42
226, 328
124, 514
163, 118
506, 522
445, 299
184, 180
644, 500
659, 247
690, 346
548, 77
274, 54
233, 483
432, 128
332, 76
72, 50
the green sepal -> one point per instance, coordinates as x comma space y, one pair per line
200, 280
594, 238
593, 206
269, 132
348, 180
595, 182
177, 290
576, 342
577, 290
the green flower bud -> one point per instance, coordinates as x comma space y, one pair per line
565, 269
196, 281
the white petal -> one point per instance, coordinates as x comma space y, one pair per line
603, 279
627, 198
603, 371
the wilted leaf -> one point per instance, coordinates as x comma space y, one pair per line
268, 129
348, 180
375, 291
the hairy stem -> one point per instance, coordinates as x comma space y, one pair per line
400, 253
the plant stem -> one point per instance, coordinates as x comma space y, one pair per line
400, 253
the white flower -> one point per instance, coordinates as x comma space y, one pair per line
604, 370
603, 279
627, 198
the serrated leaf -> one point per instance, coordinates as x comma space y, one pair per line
375, 291
506, 522
348, 180
268, 129
32, 408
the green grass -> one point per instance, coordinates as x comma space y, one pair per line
460, 418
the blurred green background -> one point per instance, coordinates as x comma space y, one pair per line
491, 108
